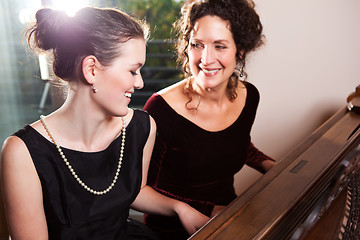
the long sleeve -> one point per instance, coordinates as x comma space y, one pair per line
255, 157
204, 207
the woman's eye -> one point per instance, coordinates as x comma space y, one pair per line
133, 73
220, 47
195, 45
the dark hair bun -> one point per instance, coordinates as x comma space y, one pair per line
92, 31
49, 25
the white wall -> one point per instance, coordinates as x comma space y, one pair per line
308, 66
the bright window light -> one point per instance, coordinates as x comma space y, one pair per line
27, 14
69, 6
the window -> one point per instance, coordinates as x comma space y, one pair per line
23, 93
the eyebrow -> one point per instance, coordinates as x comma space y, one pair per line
221, 41
216, 41
139, 65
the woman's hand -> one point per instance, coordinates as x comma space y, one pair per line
267, 165
191, 219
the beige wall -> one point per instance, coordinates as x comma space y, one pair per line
309, 65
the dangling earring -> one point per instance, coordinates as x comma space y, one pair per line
241, 72
93, 88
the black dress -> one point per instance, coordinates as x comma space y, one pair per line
71, 211
197, 166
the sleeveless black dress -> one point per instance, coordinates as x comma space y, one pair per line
71, 211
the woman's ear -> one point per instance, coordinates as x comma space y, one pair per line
241, 54
88, 68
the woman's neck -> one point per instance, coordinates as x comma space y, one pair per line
84, 126
214, 96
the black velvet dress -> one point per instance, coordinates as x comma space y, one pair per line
198, 166
71, 211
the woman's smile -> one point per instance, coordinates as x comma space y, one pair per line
210, 72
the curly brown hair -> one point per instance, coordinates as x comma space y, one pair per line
245, 26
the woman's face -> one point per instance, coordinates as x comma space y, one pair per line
117, 82
212, 52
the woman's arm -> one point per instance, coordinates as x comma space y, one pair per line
150, 201
258, 160
22, 192
205, 207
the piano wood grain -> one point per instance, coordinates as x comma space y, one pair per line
281, 200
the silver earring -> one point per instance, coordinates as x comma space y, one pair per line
94, 88
241, 73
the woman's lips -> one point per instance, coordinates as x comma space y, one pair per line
210, 72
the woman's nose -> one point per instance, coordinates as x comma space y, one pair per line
139, 83
207, 56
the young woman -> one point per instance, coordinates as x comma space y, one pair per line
75, 173
204, 121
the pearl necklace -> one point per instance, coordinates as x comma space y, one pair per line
72, 171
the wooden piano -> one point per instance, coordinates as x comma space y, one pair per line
312, 193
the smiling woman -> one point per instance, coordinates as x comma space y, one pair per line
204, 121
75, 173
90, 128
212, 53
123, 76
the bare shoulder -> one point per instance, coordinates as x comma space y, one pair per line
13, 147
15, 155
241, 91
241, 88
174, 95
175, 89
